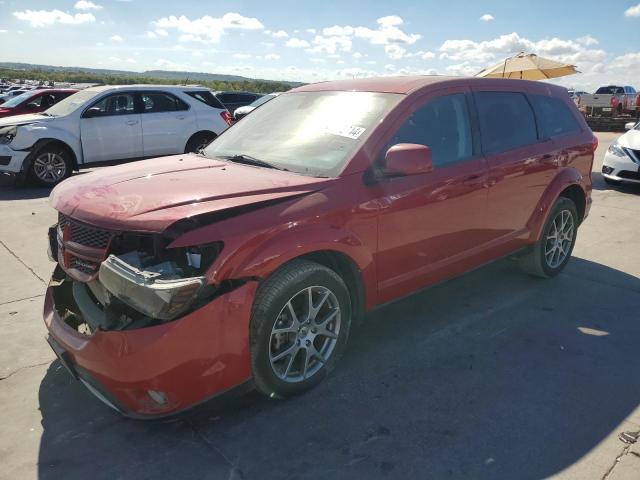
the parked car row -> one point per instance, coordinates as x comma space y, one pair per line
49, 133
250, 262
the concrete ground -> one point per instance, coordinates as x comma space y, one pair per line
492, 375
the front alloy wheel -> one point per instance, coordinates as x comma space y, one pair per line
50, 167
299, 327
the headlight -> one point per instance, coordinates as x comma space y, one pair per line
156, 291
7, 134
615, 149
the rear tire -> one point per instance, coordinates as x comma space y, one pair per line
299, 328
198, 142
551, 253
51, 165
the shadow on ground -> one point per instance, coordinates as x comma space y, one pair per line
491, 375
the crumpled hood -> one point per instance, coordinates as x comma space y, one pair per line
23, 119
631, 139
150, 195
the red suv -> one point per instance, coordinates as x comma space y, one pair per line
34, 101
182, 277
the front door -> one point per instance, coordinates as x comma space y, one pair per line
429, 222
112, 130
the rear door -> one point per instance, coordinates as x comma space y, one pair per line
114, 131
167, 123
521, 163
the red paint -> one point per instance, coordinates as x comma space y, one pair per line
22, 109
401, 233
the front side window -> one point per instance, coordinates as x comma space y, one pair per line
442, 124
155, 102
506, 121
116, 104
554, 116
312, 133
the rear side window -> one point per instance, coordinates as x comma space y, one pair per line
554, 116
443, 125
506, 121
155, 102
207, 97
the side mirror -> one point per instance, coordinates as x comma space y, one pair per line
629, 126
92, 112
407, 159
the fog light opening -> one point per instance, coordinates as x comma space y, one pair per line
159, 397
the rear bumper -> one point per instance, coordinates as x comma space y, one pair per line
186, 361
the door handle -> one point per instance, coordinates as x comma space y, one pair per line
132, 122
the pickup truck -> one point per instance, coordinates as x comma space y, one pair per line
610, 101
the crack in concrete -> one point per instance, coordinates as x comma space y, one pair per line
21, 299
24, 368
24, 264
608, 473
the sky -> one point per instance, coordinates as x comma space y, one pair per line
310, 41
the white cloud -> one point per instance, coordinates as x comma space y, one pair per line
277, 34
151, 35
268, 44
241, 55
4, 31
41, 18
196, 53
86, 5
297, 43
330, 45
394, 52
483, 52
311, 31
271, 56
587, 40
357, 55
161, 32
117, 39
632, 11
464, 68
168, 64
207, 28
487, 17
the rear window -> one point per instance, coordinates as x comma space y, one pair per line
554, 116
236, 97
609, 90
506, 121
206, 97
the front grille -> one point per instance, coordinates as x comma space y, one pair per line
634, 154
84, 234
629, 175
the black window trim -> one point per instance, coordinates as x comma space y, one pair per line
559, 135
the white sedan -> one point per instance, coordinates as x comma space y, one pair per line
109, 124
622, 160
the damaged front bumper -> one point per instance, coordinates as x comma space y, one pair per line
156, 370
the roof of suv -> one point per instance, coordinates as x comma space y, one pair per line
182, 88
408, 84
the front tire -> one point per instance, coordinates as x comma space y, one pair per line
551, 253
299, 328
51, 165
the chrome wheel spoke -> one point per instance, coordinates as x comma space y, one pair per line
304, 334
559, 239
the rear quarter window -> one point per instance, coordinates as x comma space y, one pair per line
207, 98
506, 121
554, 116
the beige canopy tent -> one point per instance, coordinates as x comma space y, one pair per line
528, 66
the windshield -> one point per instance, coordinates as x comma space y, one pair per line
312, 133
17, 100
72, 103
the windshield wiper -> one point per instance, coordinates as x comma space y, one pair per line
249, 160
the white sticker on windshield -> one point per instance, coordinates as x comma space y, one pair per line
350, 131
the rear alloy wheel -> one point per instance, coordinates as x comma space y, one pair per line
50, 166
551, 253
199, 142
299, 328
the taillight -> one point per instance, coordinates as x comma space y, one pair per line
226, 116
594, 143
614, 102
